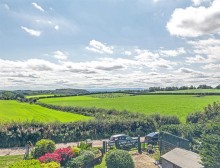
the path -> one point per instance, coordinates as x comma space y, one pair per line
21, 150
143, 160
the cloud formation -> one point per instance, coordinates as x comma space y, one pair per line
98, 47
38, 7
59, 55
205, 21
31, 32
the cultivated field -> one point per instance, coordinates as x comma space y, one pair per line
11, 110
179, 105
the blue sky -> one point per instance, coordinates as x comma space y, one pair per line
50, 44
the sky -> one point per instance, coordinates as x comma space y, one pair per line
102, 44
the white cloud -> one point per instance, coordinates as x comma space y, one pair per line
197, 2
56, 27
155, 1
31, 32
60, 55
152, 60
212, 67
196, 59
206, 51
173, 53
98, 47
127, 53
195, 21
38, 7
200, 2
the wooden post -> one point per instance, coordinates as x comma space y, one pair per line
139, 144
104, 145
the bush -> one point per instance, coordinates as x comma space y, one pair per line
119, 158
50, 157
65, 153
50, 165
76, 150
26, 164
84, 146
85, 158
42, 147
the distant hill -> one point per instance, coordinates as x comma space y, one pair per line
52, 92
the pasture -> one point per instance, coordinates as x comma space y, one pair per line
178, 105
11, 110
39, 96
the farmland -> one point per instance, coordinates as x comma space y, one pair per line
178, 105
11, 110
39, 96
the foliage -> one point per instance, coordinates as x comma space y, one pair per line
42, 147
202, 127
85, 158
9, 95
5, 161
102, 164
210, 148
18, 134
12, 110
76, 150
65, 153
50, 157
119, 158
50, 165
210, 113
26, 164
84, 146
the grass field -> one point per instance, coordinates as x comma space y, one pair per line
11, 110
5, 161
192, 91
179, 105
39, 96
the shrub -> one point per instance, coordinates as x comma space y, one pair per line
82, 160
76, 150
50, 157
26, 164
119, 158
50, 165
84, 146
42, 147
65, 153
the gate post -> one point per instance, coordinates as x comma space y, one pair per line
139, 144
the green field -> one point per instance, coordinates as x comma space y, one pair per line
179, 105
11, 110
192, 91
39, 96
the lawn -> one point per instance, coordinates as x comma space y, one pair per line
11, 110
6, 160
178, 105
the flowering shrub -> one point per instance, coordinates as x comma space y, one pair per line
76, 150
65, 153
50, 157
